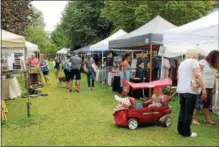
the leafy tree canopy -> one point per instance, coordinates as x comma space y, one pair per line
130, 14
81, 24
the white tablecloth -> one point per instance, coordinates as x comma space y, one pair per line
10, 88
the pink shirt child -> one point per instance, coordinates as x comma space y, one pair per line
157, 98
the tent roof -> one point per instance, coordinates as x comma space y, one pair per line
85, 49
201, 33
12, 41
104, 44
152, 30
31, 47
63, 51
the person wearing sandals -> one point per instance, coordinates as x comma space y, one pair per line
45, 69
75, 72
188, 73
209, 69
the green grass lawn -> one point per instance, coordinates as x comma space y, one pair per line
85, 118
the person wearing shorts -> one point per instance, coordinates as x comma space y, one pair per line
67, 68
45, 69
210, 66
75, 72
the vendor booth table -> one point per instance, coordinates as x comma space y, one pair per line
10, 88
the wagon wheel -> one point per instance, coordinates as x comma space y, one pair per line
132, 123
167, 121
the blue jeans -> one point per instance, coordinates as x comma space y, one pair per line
187, 106
90, 76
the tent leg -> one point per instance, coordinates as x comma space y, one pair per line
102, 70
143, 94
150, 92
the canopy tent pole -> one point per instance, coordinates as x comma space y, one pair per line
150, 68
144, 78
102, 70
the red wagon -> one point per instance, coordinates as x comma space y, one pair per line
132, 117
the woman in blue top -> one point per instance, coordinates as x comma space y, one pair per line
126, 70
44, 68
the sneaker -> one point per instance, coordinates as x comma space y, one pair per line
70, 90
92, 88
77, 90
193, 134
89, 88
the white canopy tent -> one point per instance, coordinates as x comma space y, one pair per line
201, 34
12, 41
104, 44
149, 33
63, 51
31, 48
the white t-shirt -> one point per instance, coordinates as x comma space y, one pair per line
208, 74
185, 74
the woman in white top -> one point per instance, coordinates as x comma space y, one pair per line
188, 72
208, 72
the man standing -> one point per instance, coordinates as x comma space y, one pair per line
90, 70
75, 62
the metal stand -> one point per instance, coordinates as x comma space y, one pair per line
27, 88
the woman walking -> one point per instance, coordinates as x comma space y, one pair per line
45, 69
67, 68
90, 71
57, 67
209, 69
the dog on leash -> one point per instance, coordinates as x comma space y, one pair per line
61, 80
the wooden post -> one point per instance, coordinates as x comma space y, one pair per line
151, 51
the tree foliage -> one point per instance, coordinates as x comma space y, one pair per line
40, 37
15, 15
82, 24
37, 19
86, 22
36, 34
129, 14
59, 37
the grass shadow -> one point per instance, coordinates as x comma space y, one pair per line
24, 122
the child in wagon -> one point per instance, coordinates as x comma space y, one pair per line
157, 98
125, 102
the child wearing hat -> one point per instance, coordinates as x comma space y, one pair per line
157, 98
